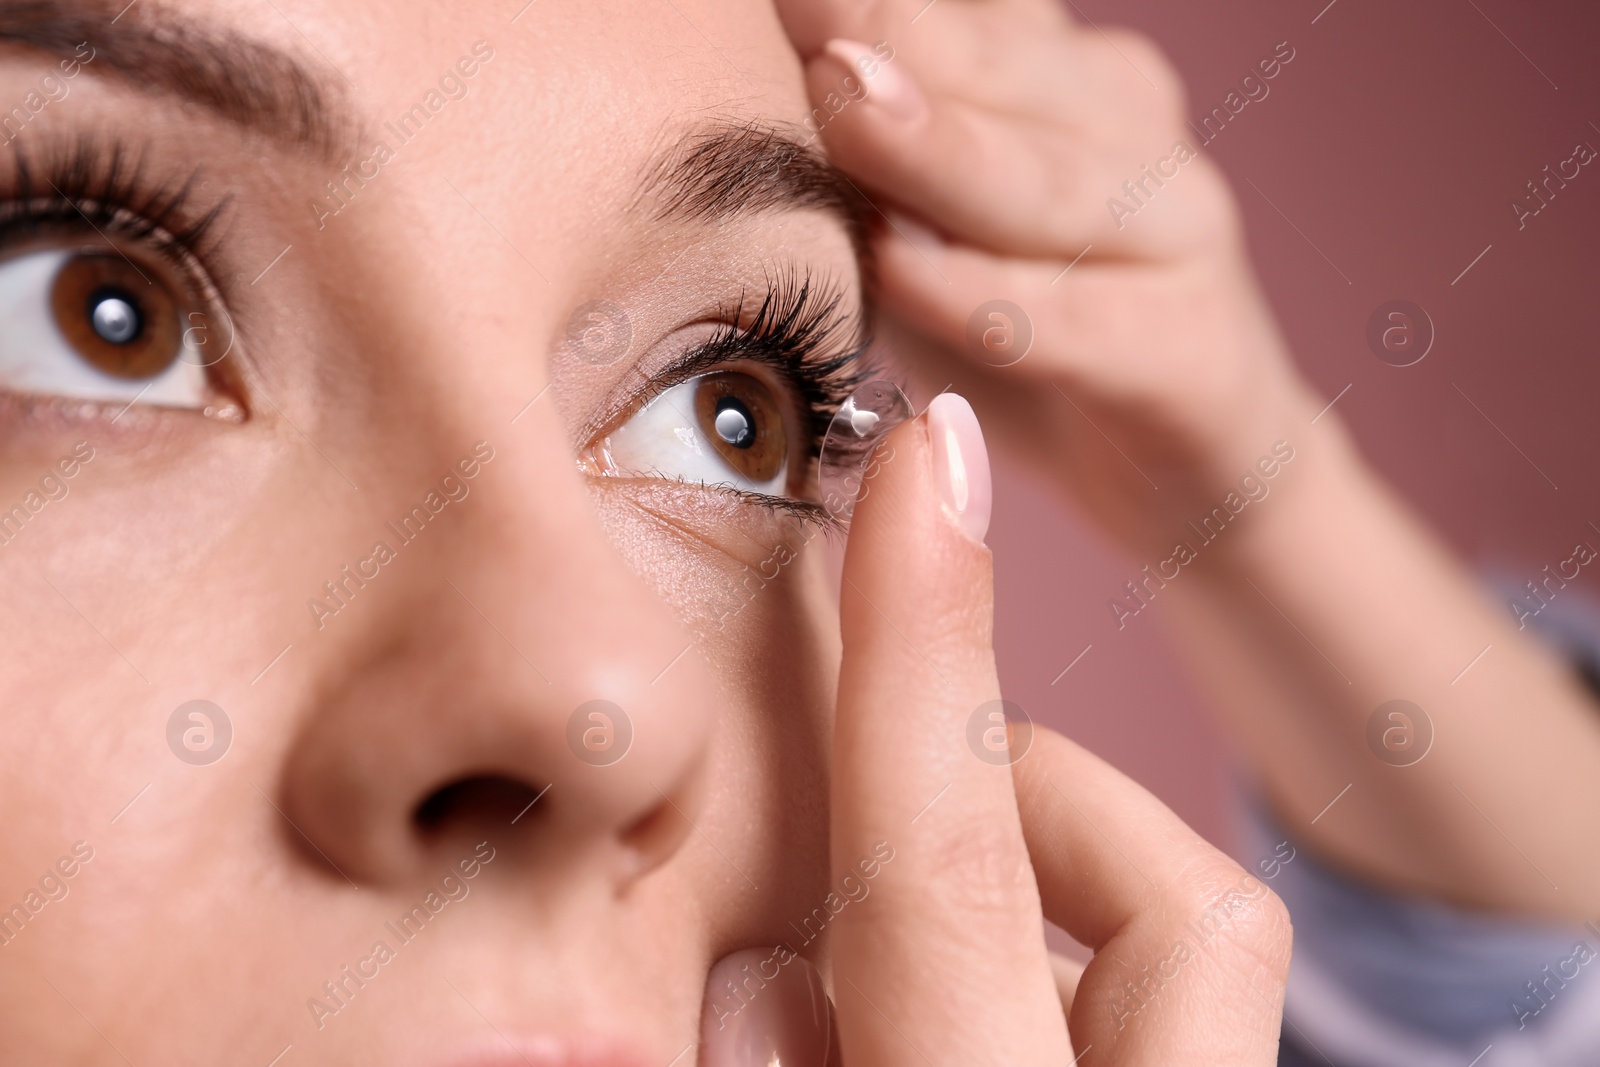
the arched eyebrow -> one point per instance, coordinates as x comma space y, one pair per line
716, 172
243, 81
722, 171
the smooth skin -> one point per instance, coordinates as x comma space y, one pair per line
992, 142
422, 324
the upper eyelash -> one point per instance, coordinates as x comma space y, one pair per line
803, 331
108, 187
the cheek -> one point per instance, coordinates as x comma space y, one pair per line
752, 587
721, 564
774, 647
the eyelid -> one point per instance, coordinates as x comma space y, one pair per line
797, 328
697, 360
647, 493
102, 184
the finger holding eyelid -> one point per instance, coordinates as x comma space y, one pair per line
1007, 183
1094, 323
990, 181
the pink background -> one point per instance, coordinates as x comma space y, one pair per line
1395, 140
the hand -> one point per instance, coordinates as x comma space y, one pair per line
994, 139
946, 864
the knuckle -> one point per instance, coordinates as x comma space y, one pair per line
1061, 178
1265, 934
1248, 922
981, 869
1149, 60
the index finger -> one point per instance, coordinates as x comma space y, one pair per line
943, 914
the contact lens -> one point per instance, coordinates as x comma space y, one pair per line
846, 463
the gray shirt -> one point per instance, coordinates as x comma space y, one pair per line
1381, 980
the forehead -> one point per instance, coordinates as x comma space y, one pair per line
575, 86
579, 86
574, 111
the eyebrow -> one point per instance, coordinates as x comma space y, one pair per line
249, 84
722, 171
715, 173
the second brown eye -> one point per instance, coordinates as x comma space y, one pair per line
743, 421
122, 322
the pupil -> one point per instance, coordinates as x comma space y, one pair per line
734, 423
114, 316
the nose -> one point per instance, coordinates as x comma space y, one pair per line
511, 681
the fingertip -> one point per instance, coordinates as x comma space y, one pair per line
765, 1006
908, 551
889, 86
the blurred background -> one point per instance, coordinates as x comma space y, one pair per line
1384, 162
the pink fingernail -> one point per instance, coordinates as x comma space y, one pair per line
961, 464
764, 1007
889, 84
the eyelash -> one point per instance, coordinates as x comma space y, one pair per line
804, 332
107, 186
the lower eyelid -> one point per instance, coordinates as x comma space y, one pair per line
723, 520
31, 417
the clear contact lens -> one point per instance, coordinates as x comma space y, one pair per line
846, 462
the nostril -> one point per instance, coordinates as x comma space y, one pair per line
470, 804
659, 832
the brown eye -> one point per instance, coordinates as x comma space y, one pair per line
120, 321
742, 419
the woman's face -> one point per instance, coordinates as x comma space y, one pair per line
325, 331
